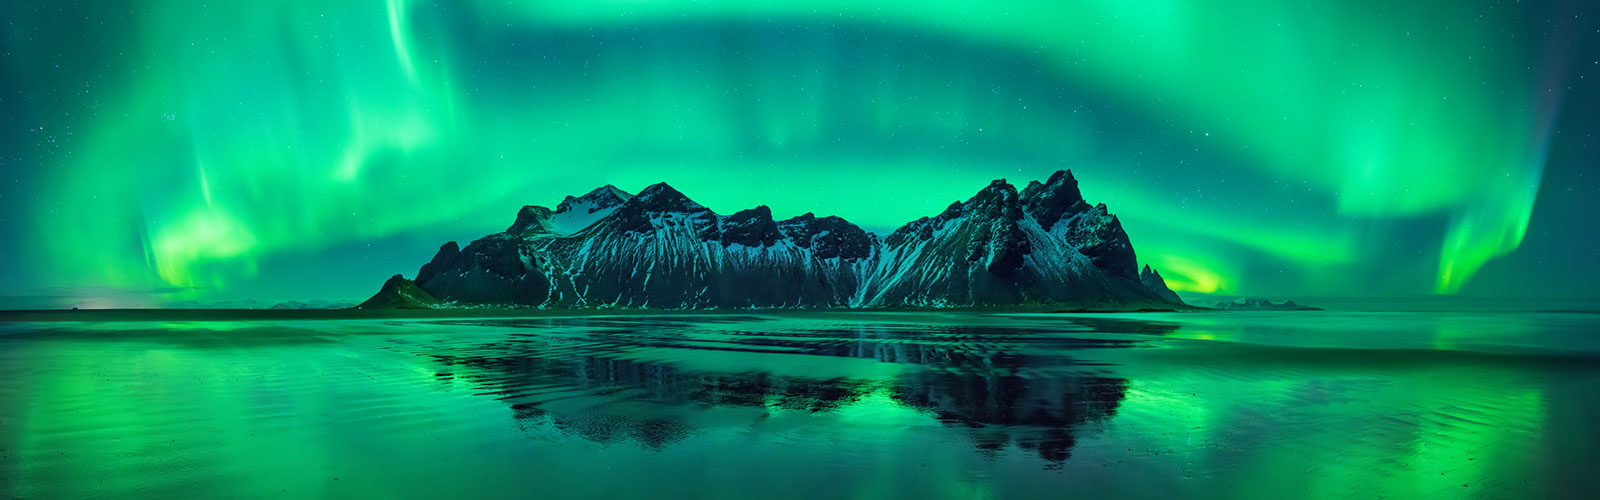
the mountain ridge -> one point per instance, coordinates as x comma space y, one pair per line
1040, 245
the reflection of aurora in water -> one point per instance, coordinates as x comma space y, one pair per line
231, 151
806, 406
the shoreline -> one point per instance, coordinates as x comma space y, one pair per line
70, 315
138, 315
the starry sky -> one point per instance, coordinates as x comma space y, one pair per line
162, 152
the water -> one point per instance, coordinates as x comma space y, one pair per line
818, 405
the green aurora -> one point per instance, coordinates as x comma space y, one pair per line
157, 152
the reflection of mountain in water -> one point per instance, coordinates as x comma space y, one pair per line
575, 375
1040, 414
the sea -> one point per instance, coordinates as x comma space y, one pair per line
804, 405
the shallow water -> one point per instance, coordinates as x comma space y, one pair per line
819, 405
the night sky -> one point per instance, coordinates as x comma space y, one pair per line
181, 152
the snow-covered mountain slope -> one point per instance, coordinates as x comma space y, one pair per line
1000, 247
575, 214
660, 249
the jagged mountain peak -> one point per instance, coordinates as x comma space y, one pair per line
828, 237
661, 249
811, 216
993, 200
759, 211
1001, 185
1062, 177
1058, 181
447, 253
660, 206
1151, 279
661, 197
611, 190
656, 190
752, 227
599, 198
952, 211
1099, 235
1056, 199
810, 220
984, 229
1149, 275
576, 213
532, 219
998, 199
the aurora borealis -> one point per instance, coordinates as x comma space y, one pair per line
157, 152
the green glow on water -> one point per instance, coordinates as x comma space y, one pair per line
1246, 405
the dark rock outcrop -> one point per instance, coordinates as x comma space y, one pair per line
752, 228
829, 237
399, 293
532, 219
447, 253
1153, 281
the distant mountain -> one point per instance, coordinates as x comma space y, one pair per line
312, 304
1043, 245
222, 304
1260, 304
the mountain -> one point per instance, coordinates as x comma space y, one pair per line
312, 304
1261, 304
399, 293
1152, 280
1002, 247
575, 214
1043, 245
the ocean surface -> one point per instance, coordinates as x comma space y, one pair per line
1266, 405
